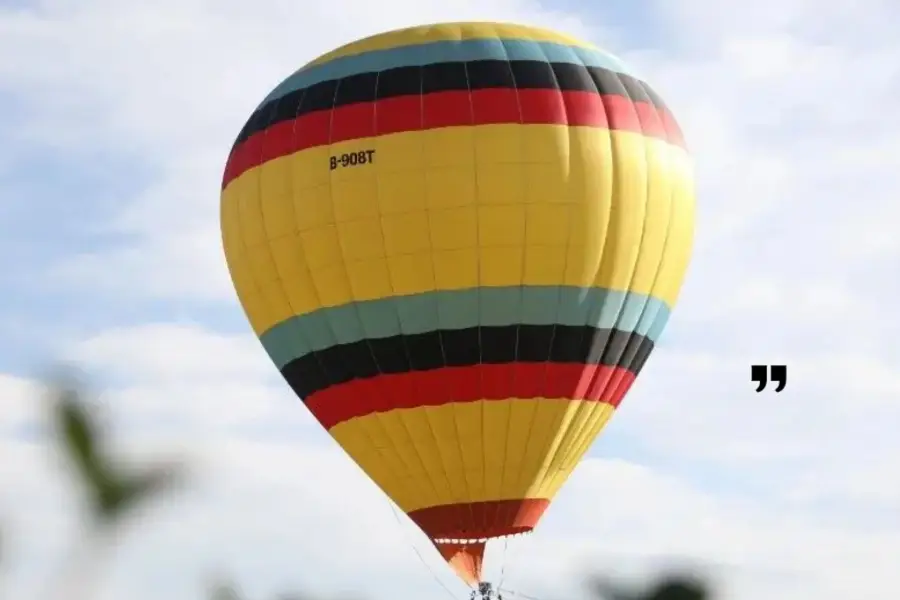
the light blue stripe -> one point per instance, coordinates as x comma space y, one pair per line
446, 51
534, 305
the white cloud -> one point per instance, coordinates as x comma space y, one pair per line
19, 402
147, 352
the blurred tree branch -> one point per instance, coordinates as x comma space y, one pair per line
113, 491
670, 587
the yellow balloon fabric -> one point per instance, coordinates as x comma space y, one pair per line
459, 244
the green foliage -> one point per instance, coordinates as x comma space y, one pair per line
673, 587
113, 491
224, 591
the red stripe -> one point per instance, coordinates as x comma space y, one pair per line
450, 109
480, 519
360, 397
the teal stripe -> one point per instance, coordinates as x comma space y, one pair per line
446, 51
489, 306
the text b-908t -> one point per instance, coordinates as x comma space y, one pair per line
352, 159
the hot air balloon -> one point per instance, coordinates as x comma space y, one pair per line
459, 244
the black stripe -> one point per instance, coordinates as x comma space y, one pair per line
466, 347
447, 76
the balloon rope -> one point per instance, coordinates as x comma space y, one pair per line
519, 594
503, 563
419, 554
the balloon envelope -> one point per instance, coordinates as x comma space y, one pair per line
459, 244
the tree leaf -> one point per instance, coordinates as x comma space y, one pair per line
224, 591
79, 435
119, 493
679, 588
604, 588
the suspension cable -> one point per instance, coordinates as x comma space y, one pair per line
503, 563
418, 553
519, 594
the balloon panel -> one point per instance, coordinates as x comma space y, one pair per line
459, 244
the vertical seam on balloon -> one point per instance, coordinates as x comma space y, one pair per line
315, 353
368, 434
520, 483
257, 173
603, 297
557, 437
645, 141
456, 499
378, 416
267, 243
478, 256
612, 383
519, 319
299, 238
601, 415
626, 382
671, 147
252, 274
673, 205
590, 407
565, 430
422, 137
245, 255
401, 414
669, 223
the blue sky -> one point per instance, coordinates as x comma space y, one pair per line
117, 118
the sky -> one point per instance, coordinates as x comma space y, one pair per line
116, 119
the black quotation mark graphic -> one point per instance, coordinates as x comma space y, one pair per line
760, 374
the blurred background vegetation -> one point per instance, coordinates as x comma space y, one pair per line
112, 490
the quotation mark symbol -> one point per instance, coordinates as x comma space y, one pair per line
759, 374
